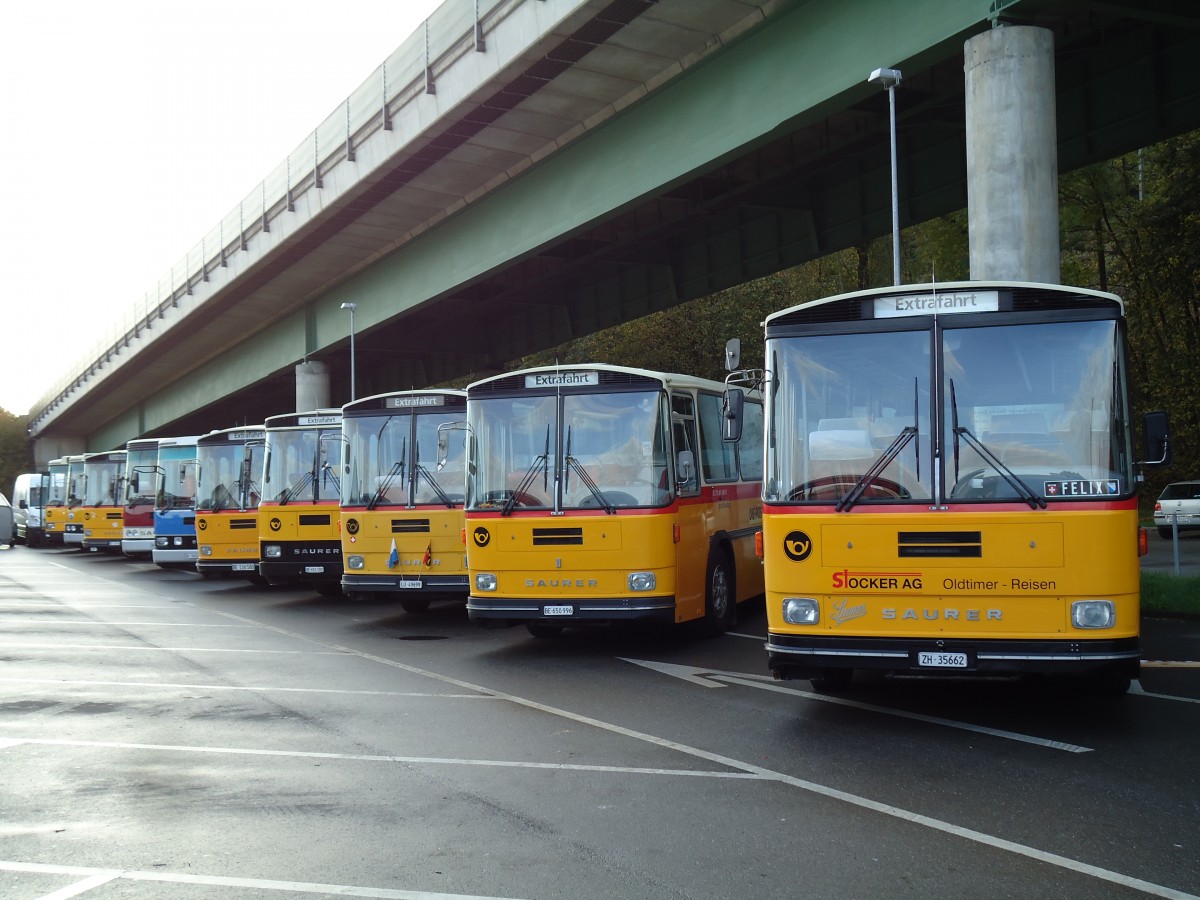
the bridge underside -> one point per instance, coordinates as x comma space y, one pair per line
674, 197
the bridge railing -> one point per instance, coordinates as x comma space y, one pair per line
454, 29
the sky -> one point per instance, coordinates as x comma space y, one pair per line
132, 127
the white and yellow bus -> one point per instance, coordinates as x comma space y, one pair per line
298, 514
76, 488
950, 485
54, 516
402, 517
229, 487
104, 495
598, 493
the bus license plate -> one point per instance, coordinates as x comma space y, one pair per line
932, 660
409, 584
244, 567
558, 611
314, 570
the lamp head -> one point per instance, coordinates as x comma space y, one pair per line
350, 306
885, 77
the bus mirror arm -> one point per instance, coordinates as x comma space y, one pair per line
1156, 428
732, 402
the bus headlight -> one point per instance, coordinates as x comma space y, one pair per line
206, 551
642, 581
162, 543
272, 551
485, 582
178, 541
1093, 614
801, 611
354, 562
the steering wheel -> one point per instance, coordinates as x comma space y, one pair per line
835, 487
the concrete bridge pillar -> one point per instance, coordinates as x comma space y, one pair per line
312, 386
48, 448
1012, 155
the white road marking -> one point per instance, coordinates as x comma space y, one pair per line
1136, 688
373, 757
100, 622
261, 884
162, 649
714, 678
81, 887
168, 685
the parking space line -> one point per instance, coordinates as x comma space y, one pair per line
866, 803
56, 622
81, 887
164, 649
261, 884
264, 689
1136, 688
371, 757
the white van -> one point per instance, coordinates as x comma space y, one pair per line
8, 532
28, 500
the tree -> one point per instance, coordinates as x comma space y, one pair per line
15, 449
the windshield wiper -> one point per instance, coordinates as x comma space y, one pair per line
1023, 491
543, 460
573, 463
395, 470
419, 470
907, 433
301, 483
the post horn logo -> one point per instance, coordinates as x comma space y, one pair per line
202, 524
481, 536
276, 524
797, 545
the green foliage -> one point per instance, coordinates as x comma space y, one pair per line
1164, 594
15, 450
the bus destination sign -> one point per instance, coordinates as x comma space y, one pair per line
896, 305
561, 379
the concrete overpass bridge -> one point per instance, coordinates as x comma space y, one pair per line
523, 172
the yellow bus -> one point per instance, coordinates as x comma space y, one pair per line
54, 517
76, 483
103, 497
598, 493
228, 490
950, 485
402, 521
298, 514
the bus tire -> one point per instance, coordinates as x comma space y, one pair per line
329, 589
414, 604
720, 596
1110, 684
544, 629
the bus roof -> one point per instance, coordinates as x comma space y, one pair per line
104, 456
561, 376
313, 418
233, 435
397, 401
813, 307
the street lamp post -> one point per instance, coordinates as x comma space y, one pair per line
889, 78
352, 307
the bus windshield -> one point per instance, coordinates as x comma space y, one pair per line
229, 475
103, 484
569, 451
141, 483
177, 486
303, 465
389, 465
1020, 413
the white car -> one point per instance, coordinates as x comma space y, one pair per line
8, 531
1181, 501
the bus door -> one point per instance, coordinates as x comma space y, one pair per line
692, 555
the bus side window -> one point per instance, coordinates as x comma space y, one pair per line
683, 427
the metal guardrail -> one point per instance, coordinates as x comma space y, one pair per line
453, 30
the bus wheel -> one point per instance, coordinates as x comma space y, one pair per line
719, 596
832, 681
329, 589
414, 604
544, 630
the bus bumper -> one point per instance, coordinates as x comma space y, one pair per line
285, 573
592, 611
803, 656
415, 583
